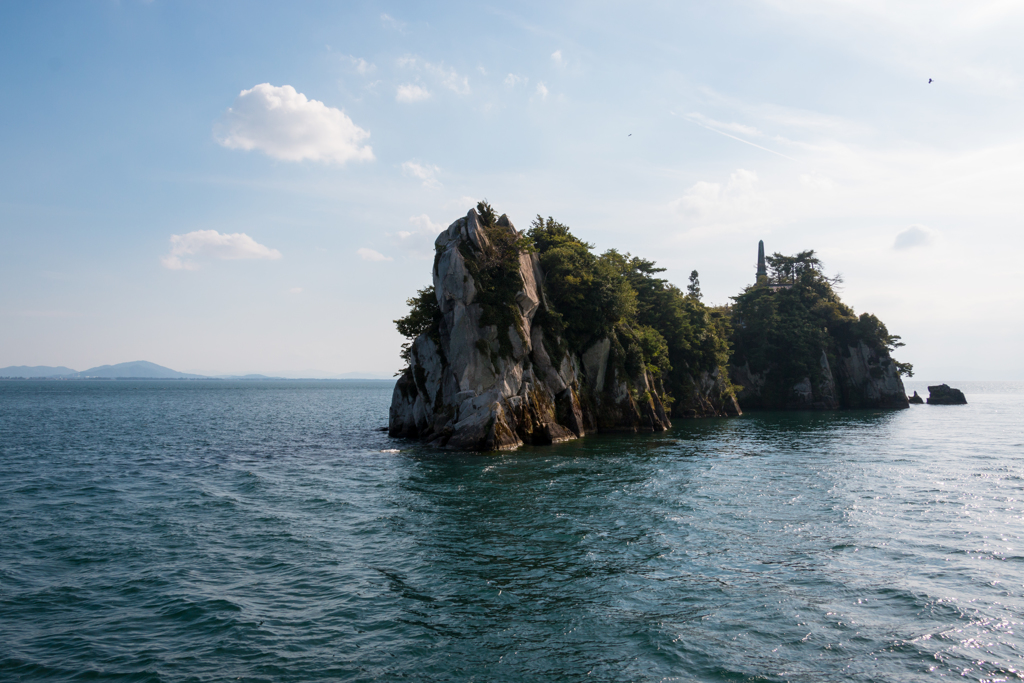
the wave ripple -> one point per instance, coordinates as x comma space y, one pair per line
267, 531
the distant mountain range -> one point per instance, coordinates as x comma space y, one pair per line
36, 371
139, 369
142, 369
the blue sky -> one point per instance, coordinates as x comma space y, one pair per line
239, 187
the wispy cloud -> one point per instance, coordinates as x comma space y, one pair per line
557, 58
371, 255
738, 128
285, 124
361, 65
409, 92
753, 131
418, 241
914, 236
461, 204
817, 181
421, 224
706, 199
390, 22
213, 244
425, 172
541, 91
512, 80
445, 76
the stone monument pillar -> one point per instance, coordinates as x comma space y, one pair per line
762, 272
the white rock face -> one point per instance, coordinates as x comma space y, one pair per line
708, 398
478, 387
595, 360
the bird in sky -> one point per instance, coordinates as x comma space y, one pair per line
630, 135
929, 80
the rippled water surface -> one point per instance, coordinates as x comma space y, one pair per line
209, 531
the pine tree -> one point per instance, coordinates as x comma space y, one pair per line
693, 289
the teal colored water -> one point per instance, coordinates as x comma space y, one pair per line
257, 531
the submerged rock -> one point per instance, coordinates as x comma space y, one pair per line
915, 399
945, 395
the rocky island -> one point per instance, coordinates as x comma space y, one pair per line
532, 338
945, 395
797, 346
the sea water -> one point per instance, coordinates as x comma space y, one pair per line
269, 531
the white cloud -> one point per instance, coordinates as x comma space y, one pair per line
463, 204
718, 204
213, 244
556, 57
361, 65
446, 76
705, 122
914, 236
450, 79
542, 91
816, 181
391, 22
795, 120
738, 128
422, 223
295, 290
512, 80
371, 255
284, 124
419, 240
411, 93
425, 172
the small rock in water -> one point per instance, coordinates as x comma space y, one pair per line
945, 395
916, 398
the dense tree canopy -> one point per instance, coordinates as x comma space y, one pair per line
620, 297
651, 324
654, 325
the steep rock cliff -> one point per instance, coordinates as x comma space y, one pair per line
861, 377
708, 394
489, 376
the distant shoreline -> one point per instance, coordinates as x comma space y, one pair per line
190, 379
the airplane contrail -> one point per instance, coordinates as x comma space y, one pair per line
746, 142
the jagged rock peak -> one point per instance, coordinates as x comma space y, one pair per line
489, 375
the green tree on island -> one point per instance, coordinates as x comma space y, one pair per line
783, 331
619, 296
650, 323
